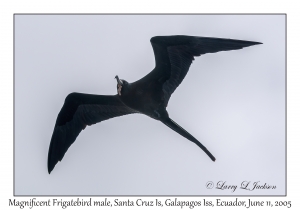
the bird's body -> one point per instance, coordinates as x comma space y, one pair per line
147, 100
149, 95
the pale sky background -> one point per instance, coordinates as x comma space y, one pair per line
232, 102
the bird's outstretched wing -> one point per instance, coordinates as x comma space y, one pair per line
78, 111
174, 55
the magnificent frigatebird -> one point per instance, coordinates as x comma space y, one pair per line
149, 95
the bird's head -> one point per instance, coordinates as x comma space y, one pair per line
122, 86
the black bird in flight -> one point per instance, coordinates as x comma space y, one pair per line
149, 95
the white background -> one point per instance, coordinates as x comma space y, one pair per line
31, 6
233, 102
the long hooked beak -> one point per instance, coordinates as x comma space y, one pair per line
118, 80
120, 83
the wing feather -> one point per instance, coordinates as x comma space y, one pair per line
78, 111
174, 55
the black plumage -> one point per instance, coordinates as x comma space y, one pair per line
149, 95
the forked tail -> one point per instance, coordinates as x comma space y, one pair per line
174, 126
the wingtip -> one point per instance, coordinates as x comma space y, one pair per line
52, 161
53, 153
52, 158
50, 167
250, 43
